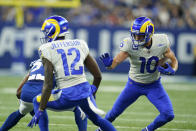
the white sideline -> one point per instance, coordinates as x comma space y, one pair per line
177, 87
164, 78
122, 77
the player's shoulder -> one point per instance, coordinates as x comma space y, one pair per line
80, 41
126, 42
44, 50
160, 37
45, 46
35, 62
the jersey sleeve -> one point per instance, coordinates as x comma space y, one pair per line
33, 62
45, 52
124, 45
167, 42
85, 48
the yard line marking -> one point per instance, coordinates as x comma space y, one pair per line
177, 87
8, 90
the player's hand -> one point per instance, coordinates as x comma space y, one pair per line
35, 118
94, 89
18, 94
167, 71
106, 59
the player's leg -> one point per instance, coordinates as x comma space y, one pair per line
32, 113
43, 122
11, 121
160, 99
56, 103
80, 119
129, 95
13, 118
92, 112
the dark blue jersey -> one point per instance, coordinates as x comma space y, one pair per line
34, 85
36, 71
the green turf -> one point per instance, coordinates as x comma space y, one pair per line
137, 116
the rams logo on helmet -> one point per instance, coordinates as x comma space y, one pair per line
142, 30
54, 27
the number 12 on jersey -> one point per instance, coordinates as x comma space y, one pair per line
74, 62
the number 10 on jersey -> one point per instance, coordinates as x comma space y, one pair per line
147, 64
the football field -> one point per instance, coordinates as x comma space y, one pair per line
135, 117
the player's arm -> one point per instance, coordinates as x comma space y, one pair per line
48, 83
18, 92
111, 63
169, 54
93, 68
120, 57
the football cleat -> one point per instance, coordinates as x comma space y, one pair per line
145, 129
99, 129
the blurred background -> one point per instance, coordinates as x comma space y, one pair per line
102, 23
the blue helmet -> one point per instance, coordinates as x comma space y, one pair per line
53, 27
142, 26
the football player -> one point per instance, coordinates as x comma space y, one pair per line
144, 50
30, 87
67, 58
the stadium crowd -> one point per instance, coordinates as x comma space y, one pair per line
165, 13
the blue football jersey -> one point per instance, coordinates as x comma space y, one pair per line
35, 81
34, 85
36, 71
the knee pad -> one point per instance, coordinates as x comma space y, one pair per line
25, 107
168, 116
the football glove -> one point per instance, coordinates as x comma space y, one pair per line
106, 59
167, 71
93, 88
35, 118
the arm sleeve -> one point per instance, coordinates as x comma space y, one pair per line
45, 52
167, 41
85, 48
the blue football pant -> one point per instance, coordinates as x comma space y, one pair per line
60, 104
155, 94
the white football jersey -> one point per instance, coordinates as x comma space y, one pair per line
142, 60
67, 57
